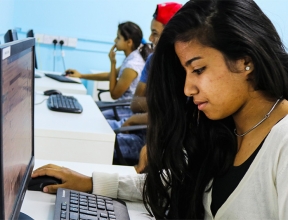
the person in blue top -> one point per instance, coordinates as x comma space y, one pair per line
132, 143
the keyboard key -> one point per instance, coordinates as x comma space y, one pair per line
73, 216
102, 207
83, 216
88, 212
103, 215
109, 207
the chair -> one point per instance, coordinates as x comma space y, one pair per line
120, 159
108, 105
100, 91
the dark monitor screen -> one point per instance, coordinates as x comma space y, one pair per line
17, 124
30, 33
10, 35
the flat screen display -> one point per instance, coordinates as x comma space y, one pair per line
17, 97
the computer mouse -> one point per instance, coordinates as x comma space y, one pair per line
67, 73
52, 92
38, 183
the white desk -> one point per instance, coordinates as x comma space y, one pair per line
40, 206
46, 83
85, 137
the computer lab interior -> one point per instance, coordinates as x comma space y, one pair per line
78, 35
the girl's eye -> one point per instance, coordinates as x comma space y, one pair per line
199, 71
155, 35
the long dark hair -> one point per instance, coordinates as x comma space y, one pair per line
186, 150
130, 30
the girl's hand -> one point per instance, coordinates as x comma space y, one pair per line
112, 54
73, 73
70, 179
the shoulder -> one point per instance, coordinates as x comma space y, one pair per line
135, 56
276, 143
279, 131
149, 58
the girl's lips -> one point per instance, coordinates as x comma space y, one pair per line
201, 105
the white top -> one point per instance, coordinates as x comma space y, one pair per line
133, 61
261, 194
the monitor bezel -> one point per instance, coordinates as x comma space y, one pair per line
16, 47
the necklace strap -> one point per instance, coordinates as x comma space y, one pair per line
255, 126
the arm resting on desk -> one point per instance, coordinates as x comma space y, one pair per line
94, 76
128, 187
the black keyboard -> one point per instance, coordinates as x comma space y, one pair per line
63, 103
74, 205
60, 78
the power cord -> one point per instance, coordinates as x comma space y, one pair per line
62, 54
38, 103
54, 53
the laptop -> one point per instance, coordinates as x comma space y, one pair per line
17, 125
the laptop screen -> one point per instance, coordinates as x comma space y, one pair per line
17, 124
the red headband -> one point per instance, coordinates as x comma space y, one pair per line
165, 11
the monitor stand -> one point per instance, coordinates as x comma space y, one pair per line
37, 76
23, 216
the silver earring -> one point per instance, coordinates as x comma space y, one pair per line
247, 68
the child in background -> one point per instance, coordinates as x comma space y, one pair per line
123, 80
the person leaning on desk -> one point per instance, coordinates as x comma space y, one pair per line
123, 80
223, 152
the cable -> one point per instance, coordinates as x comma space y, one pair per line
54, 53
62, 54
38, 103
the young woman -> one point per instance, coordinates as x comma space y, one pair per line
221, 145
218, 149
124, 79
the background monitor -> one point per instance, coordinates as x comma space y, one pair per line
30, 33
16, 124
10, 35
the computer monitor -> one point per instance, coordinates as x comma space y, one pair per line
30, 33
16, 124
10, 35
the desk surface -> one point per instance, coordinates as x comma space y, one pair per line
46, 83
85, 137
40, 205
90, 124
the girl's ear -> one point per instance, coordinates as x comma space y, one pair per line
130, 43
245, 65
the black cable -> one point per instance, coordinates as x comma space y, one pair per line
62, 54
54, 54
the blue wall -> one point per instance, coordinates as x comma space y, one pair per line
94, 23
6, 17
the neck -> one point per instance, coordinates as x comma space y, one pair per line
253, 112
127, 52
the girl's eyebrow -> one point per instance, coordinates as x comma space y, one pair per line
188, 62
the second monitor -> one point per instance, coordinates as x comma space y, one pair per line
10, 35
